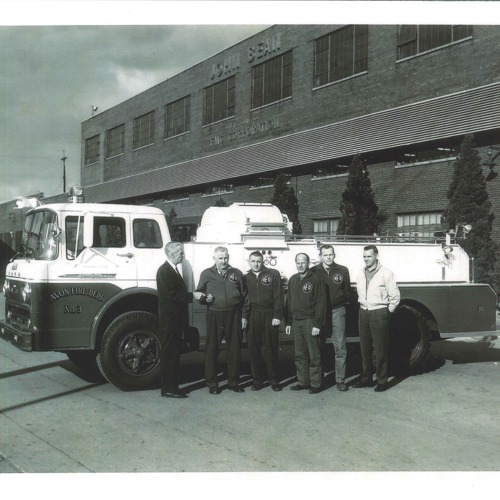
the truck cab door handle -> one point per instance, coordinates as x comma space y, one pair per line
128, 255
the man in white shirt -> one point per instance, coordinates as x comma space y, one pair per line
378, 296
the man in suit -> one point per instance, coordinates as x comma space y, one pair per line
173, 300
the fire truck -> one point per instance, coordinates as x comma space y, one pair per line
84, 283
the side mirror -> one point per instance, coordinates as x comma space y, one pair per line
55, 231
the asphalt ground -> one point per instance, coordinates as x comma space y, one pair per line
444, 423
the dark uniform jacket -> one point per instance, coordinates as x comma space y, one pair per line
306, 299
265, 292
173, 298
338, 282
229, 291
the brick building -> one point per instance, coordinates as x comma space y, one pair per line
303, 100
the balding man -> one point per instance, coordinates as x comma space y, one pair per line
305, 315
225, 295
173, 300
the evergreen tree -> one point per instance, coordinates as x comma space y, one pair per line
469, 204
284, 198
358, 208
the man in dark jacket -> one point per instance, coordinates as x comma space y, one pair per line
265, 295
173, 300
338, 282
305, 315
225, 295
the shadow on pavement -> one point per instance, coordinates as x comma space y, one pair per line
31, 369
486, 349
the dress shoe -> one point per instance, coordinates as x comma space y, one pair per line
236, 388
363, 383
276, 388
214, 390
342, 387
299, 387
174, 394
314, 390
380, 388
257, 387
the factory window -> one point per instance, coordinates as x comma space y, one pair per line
325, 227
144, 130
262, 182
415, 39
272, 80
218, 189
341, 54
92, 146
177, 117
219, 101
411, 156
420, 224
331, 170
183, 195
115, 141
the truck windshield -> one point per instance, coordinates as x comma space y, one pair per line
38, 235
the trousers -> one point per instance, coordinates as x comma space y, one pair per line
339, 342
374, 338
307, 353
262, 338
170, 349
223, 325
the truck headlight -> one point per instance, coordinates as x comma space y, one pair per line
26, 293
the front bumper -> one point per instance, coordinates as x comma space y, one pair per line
22, 339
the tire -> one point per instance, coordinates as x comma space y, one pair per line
86, 361
129, 356
410, 342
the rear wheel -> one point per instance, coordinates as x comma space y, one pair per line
130, 351
410, 341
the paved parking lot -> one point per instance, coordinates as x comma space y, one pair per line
53, 420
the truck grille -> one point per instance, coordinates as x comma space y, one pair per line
18, 317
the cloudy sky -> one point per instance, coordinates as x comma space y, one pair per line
57, 59
50, 76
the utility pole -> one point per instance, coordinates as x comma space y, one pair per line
63, 159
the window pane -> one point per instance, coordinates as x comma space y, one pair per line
341, 54
109, 232
423, 224
115, 141
92, 150
272, 80
74, 230
147, 234
144, 130
177, 117
219, 101
414, 39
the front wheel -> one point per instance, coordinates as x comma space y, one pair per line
130, 352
